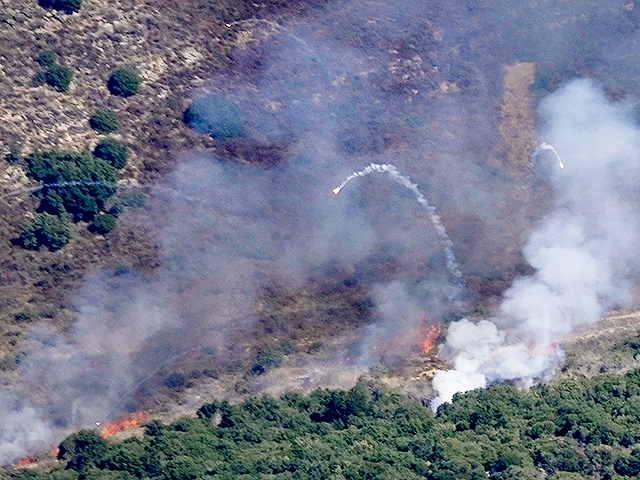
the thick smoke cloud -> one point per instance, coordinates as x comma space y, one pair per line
585, 251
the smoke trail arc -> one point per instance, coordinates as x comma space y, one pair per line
548, 147
405, 181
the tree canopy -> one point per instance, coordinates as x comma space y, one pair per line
582, 428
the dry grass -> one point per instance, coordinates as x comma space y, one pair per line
517, 123
591, 350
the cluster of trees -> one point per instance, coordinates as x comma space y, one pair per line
76, 187
584, 428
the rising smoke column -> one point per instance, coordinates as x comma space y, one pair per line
583, 251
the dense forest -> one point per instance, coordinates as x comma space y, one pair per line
580, 428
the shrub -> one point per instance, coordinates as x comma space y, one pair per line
58, 77
46, 59
105, 121
66, 6
46, 230
102, 224
214, 115
123, 82
112, 151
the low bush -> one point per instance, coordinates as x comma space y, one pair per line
266, 359
112, 151
132, 199
175, 380
123, 82
105, 121
128, 200
13, 156
102, 224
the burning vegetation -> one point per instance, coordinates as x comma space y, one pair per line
26, 462
430, 341
129, 421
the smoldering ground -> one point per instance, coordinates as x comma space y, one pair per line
356, 85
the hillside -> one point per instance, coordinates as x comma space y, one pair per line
179, 235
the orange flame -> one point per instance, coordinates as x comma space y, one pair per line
55, 451
26, 461
429, 342
126, 422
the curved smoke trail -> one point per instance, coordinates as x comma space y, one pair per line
405, 181
545, 146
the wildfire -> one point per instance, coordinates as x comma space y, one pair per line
126, 422
25, 462
429, 342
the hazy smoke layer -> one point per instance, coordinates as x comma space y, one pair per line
584, 251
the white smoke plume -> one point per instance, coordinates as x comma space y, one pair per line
583, 251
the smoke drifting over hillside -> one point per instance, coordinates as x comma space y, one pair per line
413, 84
585, 251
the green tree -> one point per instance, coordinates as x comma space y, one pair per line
214, 115
104, 121
123, 82
82, 449
49, 231
112, 151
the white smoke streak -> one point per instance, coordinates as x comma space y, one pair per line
583, 251
405, 181
545, 146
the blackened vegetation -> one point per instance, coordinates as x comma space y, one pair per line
583, 428
258, 153
324, 308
